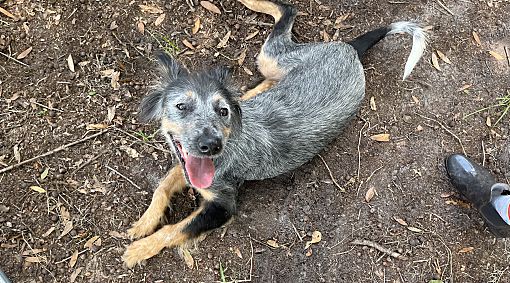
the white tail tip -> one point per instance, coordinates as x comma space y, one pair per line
419, 43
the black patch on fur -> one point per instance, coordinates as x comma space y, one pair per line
284, 25
151, 106
364, 42
213, 216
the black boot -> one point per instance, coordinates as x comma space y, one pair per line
477, 185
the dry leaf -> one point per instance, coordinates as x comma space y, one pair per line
47, 233
32, 252
117, 235
309, 252
400, 221
35, 259
466, 250
224, 40
188, 44
24, 53
447, 195
316, 237
64, 214
75, 274
96, 126
238, 252
151, 9
251, 35
140, 26
414, 229
70, 63
210, 7
415, 99
381, 137
113, 25
111, 114
464, 87
17, 154
115, 80
443, 57
73, 259
7, 13
242, 56
370, 194
494, 54
372, 104
68, 226
90, 242
273, 243
131, 152
196, 26
159, 20
188, 259
476, 38
435, 63
38, 189
44, 174
488, 121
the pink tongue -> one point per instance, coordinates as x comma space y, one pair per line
200, 171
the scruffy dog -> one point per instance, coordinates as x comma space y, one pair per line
222, 137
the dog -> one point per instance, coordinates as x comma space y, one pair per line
223, 137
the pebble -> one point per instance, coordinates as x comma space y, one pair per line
407, 119
73, 233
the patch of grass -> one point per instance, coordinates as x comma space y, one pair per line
166, 44
42, 112
222, 274
92, 93
144, 136
503, 103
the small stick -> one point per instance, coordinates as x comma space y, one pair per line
89, 161
483, 151
126, 178
14, 59
331, 174
7, 13
68, 258
444, 7
52, 151
47, 107
507, 56
297, 233
446, 129
379, 248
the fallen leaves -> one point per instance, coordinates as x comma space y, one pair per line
414, 229
381, 137
251, 35
159, 20
94, 241
272, 243
466, 250
400, 221
496, 55
44, 174
210, 7
372, 104
17, 154
38, 189
316, 237
24, 54
151, 9
70, 63
224, 40
74, 258
476, 38
369, 195
196, 26
443, 57
435, 62
140, 26
75, 274
7, 13
66, 220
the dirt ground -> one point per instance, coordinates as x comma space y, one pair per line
52, 208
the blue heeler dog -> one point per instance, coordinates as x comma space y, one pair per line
223, 137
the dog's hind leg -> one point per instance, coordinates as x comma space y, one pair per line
173, 183
210, 215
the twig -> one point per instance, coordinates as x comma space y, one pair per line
14, 59
47, 107
368, 179
379, 248
331, 174
359, 153
68, 258
444, 7
126, 178
52, 151
446, 129
7, 13
138, 139
89, 161
483, 151
297, 233
507, 56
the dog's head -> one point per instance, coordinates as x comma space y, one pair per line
199, 112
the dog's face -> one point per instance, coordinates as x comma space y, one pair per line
199, 112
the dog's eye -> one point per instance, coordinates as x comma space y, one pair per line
181, 106
224, 112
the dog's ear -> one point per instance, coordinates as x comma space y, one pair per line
151, 107
170, 68
221, 74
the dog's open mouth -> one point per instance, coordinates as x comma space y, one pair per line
199, 170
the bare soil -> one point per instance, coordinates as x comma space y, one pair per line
44, 105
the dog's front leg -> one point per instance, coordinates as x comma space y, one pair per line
210, 215
174, 182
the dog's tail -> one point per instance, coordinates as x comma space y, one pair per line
369, 39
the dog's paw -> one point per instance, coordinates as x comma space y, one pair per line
142, 228
139, 251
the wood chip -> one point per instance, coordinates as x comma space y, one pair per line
251, 35
188, 44
316, 237
443, 57
494, 54
400, 221
70, 63
210, 7
151, 9
477, 38
159, 20
466, 250
381, 137
435, 63
369, 195
372, 104
74, 258
24, 53
196, 26
224, 40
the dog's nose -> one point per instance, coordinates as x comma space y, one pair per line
209, 145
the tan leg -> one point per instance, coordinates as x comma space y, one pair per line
173, 183
263, 86
167, 236
262, 6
